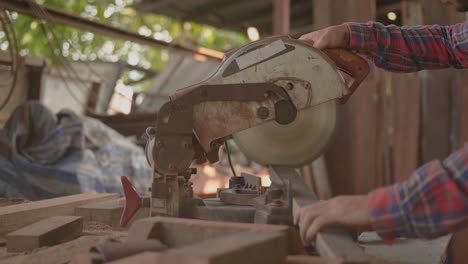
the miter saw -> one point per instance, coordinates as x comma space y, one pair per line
277, 98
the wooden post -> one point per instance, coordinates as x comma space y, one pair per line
443, 98
34, 82
352, 156
93, 96
281, 14
322, 13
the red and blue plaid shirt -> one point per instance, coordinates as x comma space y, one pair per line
434, 200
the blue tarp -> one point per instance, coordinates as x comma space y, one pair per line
43, 155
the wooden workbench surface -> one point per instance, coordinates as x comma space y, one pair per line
403, 251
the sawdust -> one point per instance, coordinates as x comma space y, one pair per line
93, 234
95, 227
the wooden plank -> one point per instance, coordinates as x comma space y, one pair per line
435, 127
16, 216
107, 212
407, 94
441, 133
407, 250
232, 249
329, 243
65, 252
51, 231
281, 14
320, 178
459, 254
321, 13
460, 109
384, 131
353, 154
179, 232
244, 247
227, 213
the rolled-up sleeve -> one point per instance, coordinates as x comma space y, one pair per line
412, 48
432, 202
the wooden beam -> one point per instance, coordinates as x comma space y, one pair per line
243, 247
48, 232
406, 130
179, 232
60, 17
352, 156
16, 216
322, 13
281, 17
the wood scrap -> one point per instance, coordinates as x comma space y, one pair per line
177, 232
48, 232
244, 247
16, 216
62, 253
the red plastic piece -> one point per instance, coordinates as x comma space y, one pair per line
133, 201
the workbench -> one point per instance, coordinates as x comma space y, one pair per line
99, 213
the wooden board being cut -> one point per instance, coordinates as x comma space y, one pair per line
16, 216
48, 232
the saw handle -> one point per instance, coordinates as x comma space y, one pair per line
351, 64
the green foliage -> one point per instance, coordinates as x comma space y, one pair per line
76, 44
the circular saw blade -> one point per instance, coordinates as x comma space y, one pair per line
294, 144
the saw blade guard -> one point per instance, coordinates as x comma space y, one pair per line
306, 138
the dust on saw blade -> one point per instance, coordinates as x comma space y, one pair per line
294, 144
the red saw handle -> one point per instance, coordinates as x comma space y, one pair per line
352, 64
133, 201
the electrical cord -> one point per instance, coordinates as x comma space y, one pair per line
229, 158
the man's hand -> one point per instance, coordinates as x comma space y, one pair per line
330, 37
348, 211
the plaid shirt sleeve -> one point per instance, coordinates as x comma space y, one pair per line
432, 202
413, 48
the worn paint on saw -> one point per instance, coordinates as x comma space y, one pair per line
260, 54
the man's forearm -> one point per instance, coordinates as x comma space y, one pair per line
433, 202
408, 49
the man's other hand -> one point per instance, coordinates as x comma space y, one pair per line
347, 211
330, 37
